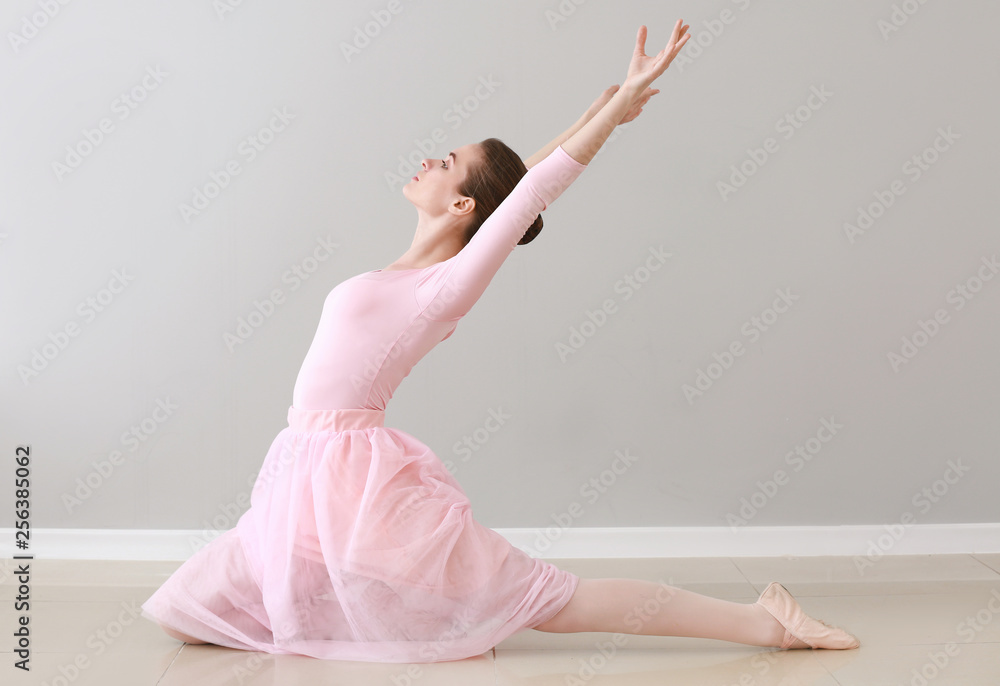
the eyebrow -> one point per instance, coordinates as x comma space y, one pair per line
453, 156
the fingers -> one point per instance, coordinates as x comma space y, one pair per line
677, 48
664, 57
640, 41
678, 37
675, 44
679, 31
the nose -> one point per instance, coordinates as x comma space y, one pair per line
425, 163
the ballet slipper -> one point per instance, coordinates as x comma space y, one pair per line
798, 625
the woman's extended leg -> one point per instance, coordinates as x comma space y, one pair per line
634, 606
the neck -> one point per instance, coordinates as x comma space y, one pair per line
431, 244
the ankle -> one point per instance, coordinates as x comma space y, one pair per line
773, 633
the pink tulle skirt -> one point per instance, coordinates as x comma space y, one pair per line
358, 545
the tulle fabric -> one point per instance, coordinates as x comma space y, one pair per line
358, 545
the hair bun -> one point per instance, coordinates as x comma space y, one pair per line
533, 230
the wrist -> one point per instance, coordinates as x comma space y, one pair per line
585, 117
631, 90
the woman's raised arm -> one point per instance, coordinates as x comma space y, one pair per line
642, 71
596, 107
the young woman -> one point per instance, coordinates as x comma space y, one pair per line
359, 544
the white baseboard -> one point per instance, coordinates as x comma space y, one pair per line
553, 543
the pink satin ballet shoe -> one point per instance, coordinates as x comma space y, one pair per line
798, 625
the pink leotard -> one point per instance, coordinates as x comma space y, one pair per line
375, 326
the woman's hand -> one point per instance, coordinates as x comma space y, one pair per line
633, 112
643, 69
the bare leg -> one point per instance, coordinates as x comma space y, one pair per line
633, 606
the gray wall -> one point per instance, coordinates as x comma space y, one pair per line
208, 82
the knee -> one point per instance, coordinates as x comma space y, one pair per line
562, 623
184, 638
568, 619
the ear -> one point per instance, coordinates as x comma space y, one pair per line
463, 206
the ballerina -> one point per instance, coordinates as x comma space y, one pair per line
359, 544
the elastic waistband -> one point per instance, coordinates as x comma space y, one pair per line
334, 420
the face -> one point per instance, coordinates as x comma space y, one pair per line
435, 186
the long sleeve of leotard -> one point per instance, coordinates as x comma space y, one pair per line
450, 289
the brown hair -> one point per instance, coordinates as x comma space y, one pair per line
492, 180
